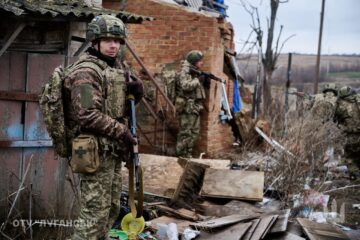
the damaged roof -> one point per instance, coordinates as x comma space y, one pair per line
65, 9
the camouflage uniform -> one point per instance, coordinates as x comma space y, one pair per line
325, 103
188, 103
95, 95
348, 117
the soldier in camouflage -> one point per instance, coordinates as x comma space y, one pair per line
95, 94
348, 117
324, 104
189, 103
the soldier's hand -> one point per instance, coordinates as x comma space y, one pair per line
129, 139
136, 88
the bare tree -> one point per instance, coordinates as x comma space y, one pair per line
273, 49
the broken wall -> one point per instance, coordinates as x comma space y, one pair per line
175, 31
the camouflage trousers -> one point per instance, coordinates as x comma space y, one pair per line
189, 129
100, 200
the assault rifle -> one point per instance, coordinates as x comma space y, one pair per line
207, 75
133, 223
224, 99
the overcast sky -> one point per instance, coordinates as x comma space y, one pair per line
302, 17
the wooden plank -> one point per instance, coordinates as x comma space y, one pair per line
12, 37
233, 207
181, 224
181, 213
263, 227
251, 231
224, 221
281, 222
234, 232
190, 183
163, 173
19, 96
267, 229
321, 231
31, 144
234, 184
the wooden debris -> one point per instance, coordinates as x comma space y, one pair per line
190, 182
295, 228
233, 184
263, 227
233, 207
281, 222
321, 231
243, 207
250, 232
181, 224
213, 163
163, 173
224, 221
181, 213
234, 232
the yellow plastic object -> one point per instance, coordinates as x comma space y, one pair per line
132, 226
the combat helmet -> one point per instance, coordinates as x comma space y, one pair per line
194, 56
330, 87
103, 26
346, 91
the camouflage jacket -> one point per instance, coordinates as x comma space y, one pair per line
94, 98
348, 113
324, 106
190, 92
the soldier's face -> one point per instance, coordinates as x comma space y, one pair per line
199, 64
109, 46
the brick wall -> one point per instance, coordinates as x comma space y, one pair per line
167, 39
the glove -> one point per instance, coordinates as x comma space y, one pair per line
136, 88
206, 82
129, 139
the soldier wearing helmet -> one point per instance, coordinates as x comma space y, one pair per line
324, 105
189, 103
95, 89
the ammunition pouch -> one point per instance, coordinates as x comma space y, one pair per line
85, 154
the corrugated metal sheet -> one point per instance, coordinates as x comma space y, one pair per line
197, 4
68, 9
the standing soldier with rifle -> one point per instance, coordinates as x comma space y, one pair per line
189, 102
95, 101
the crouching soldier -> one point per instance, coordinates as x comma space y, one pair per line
95, 99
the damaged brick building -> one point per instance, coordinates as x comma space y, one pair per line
163, 43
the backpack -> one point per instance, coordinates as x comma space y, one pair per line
52, 109
52, 105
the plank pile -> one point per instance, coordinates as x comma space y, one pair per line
207, 197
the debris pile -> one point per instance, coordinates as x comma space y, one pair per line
206, 199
